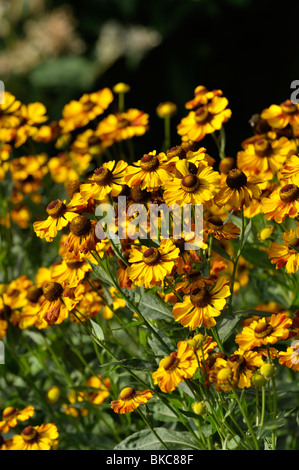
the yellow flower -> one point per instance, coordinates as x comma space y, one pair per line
101, 389
290, 172
107, 179
130, 399
192, 185
238, 190
205, 120
166, 109
29, 115
70, 166
264, 156
220, 230
243, 364
11, 416
266, 233
265, 331
8, 117
58, 302
70, 271
53, 394
290, 358
284, 254
149, 172
42, 437
201, 96
282, 202
79, 113
280, 116
121, 87
176, 367
221, 374
121, 126
60, 214
150, 266
202, 305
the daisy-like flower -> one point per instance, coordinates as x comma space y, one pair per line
101, 389
202, 305
215, 226
79, 113
190, 151
65, 167
11, 416
238, 190
264, 156
130, 399
192, 185
88, 142
81, 238
280, 116
58, 302
265, 331
243, 365
176, 367
149, 172
121, 126
8, 118
71, 270
59, 215
150, 266
29, 116
282, 202
205, 120
43, 437
221, 374
201, 96
290, 358
108, 179
194, 279
284, 254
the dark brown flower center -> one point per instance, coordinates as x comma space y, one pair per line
149, 162
139, 195
103, 176
52, 291
289, 193
177, 151
73, 187
262, 330
80, 225
29, 433
288, 107
201, 115
74, 264
126, 393
236, 179
56, 209
215, 220
151, 256
200, 297
170, 362
190, 183
9, 412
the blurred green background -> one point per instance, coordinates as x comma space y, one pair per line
54, 51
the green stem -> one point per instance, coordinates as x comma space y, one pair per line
256, 444
152, 429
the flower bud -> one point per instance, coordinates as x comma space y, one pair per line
267, 370
258, 380
199, 408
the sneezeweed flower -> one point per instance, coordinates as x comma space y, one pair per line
202, 305
176, 367
43, 437
290, 357
11, 416
285, 254
192, 185
220, 230
202, 345
58, 302
130, 399
205, 120
149, 266
122, 126
221, 374
79, 113
166, 109
280, 116
201, 96
265, 156
65, 167
29, 117
4, 443
71, 271
149, 172
81, 238
108, 179
263, 332
243, 364
59, 215
238, 190
8, 109
282, 202
116, 303
101, 388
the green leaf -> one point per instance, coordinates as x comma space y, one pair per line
134, 363
162, 413
97, 330
101, 274
220, 251
145, 440
227, 324
154, 308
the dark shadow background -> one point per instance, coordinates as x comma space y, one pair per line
247, 48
